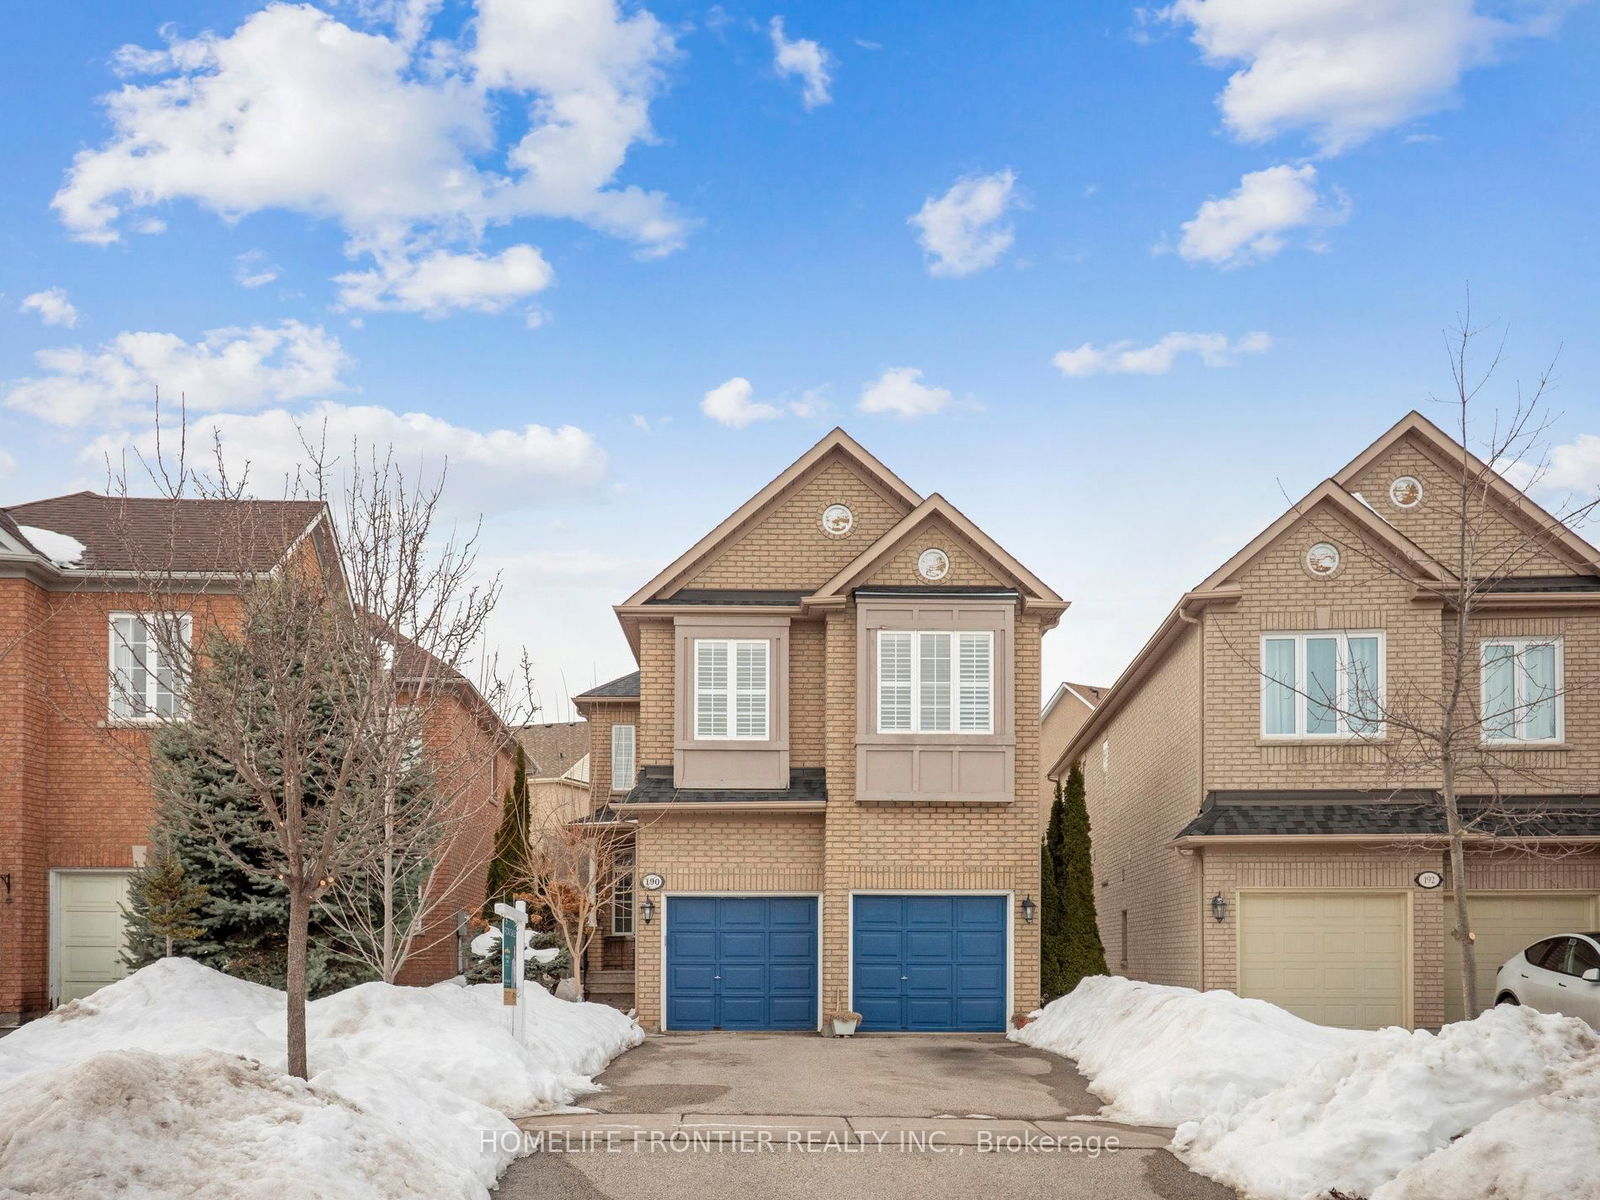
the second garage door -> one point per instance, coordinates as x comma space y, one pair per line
1336, 958
933, 964
1505, 924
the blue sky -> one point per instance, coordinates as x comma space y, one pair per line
1111, 280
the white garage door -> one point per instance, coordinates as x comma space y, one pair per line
1504, 925
89, 931
1336, 958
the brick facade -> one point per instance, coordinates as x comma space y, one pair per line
1185, 723
850, 847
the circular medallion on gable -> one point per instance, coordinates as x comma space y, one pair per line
933, 564
838, 520
1406, 492
1322, 560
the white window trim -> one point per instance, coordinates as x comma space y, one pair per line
627, 777
618, 910
731, 692
1341, 701
916, 729
1520, 710
114, 688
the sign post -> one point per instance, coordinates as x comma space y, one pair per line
513, 920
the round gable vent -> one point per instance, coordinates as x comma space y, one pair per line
933, 564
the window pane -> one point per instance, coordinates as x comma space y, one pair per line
1539, 692
1499, 701
711, 689
976, 682
622, 770
1279, 684
894, 682
750, 681
1322, 685
712, 664
1363, 702
934, 674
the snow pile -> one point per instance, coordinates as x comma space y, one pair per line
142, 1124
1164, 1055
170, 1082
1545, 1148
62, 549
1356, 1120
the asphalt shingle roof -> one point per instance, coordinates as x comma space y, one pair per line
655, 786
1390, 815
623, 686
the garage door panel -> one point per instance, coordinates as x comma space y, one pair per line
1330, 957
741, 962
934, 963
1504, 925
90, 931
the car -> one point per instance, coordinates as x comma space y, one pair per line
1560, 974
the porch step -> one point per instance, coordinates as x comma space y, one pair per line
610, 987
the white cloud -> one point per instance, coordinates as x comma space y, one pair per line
1253, 222
807, 61
396, 137
1344, 70
439, 283
52, 306
965, 229
898, 391
253, 269
1572, 466
8, 464
1124, 358
486, 472
730, 404
225, 368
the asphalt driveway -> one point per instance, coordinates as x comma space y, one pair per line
790, 1115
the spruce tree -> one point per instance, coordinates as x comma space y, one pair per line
510, 862
241, 926
162, 908
1082, 953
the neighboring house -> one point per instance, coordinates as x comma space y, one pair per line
1245, 837
1064, 714
558, 772
829, 758
75, 806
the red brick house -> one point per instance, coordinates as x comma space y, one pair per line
75, 805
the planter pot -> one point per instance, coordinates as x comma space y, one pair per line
843, 1028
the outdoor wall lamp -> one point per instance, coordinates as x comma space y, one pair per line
1219, 908
647, 910
1027, 909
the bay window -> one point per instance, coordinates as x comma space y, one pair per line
932, 681
1521, 690
1322, 684
732, 690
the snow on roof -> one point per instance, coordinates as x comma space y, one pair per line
60, 548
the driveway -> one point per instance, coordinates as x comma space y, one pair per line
791, 1115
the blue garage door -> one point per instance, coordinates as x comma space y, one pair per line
930, 963
741, 962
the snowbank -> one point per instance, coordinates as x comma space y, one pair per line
1356, 1120
1545, 1148
1282, 1109
1164, 1055
428, 1070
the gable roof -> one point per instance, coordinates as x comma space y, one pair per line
623, 687
936, 507
1447, 453
129, 533
1087, 694
553, 749
1359, 514
836, 441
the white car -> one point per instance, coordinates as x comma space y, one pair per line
1560, 974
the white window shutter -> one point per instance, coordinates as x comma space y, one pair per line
933, 700
976, 682
711, 689
623, 771
894, 682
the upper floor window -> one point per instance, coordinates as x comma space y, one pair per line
1522, 690
732, 692
145, 682
935, 682
622, 758
1322, 684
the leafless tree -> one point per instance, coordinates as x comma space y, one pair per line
1448, 743
327, 681
577, 873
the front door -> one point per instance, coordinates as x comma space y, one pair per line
934, 964
741, 962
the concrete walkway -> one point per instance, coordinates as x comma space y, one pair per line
780, 1115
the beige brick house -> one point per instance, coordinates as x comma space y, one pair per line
830, 760
1251, 836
